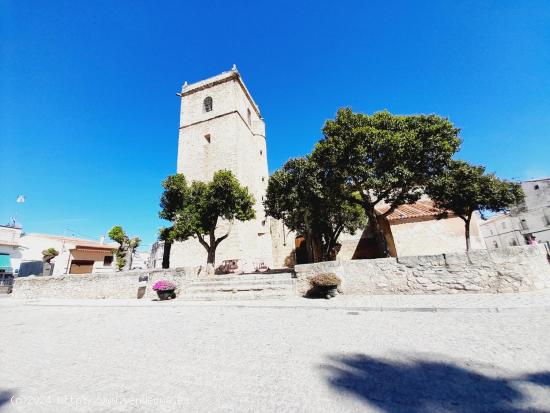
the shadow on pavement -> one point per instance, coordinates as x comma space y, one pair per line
5, 398
427, 386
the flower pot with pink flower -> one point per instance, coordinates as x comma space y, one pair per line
165, 289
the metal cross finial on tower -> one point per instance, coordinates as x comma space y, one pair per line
234, 68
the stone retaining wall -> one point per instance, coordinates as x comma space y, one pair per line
102, 285
511, 269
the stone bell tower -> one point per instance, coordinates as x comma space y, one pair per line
221, 128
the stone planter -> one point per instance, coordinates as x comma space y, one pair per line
330, 291
323, 291
166, 294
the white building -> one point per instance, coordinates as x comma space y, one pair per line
140, 260
10, 247
502, 230
529, 219
221, 128
76, 255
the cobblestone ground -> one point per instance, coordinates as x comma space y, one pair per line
111, 356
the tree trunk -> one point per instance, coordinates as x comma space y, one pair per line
211, 259
314, 247
211, 256
374, 227
467, 233
166, 254
129, 258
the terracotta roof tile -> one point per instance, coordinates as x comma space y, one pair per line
421, 209
79, 242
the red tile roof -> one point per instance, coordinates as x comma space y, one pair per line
9, 243
423, 209
79, 242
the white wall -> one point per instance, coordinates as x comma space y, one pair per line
34, 244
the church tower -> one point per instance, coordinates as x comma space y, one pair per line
221, 128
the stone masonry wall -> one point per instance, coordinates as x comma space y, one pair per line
102, 285
512, 269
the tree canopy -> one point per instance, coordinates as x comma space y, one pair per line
464, 188
197, 209
299, 195
126, 248
384, 158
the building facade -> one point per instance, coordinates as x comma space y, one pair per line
76, 255
414, 229
221, 128
528, 221
10, 246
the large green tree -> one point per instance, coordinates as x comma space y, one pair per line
202, 206
304, 200
463, 189
125, 252
384, 159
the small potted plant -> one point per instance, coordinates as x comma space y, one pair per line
165, 289
324, 285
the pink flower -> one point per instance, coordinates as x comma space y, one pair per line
164, 285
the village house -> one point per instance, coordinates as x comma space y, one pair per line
76, 255
526, 222
10, 247
414, 229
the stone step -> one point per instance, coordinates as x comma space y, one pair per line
247, 277
243, 295
287, 285
234, 283
247, 287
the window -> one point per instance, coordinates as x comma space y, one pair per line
208, 104
513, 243
249, 116
536, 187
495, 244
107, 260
263, 179
207, 137
261, 152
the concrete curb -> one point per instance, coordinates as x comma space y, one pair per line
226, 304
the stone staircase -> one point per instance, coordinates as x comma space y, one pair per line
241, 287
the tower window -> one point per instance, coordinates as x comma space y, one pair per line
207, 137
261, 152
249, 116
207, 104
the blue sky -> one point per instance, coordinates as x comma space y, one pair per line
89, 115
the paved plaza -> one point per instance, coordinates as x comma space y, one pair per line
462, 353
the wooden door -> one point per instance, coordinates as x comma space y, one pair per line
81, 267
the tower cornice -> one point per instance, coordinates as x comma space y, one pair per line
189, 89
